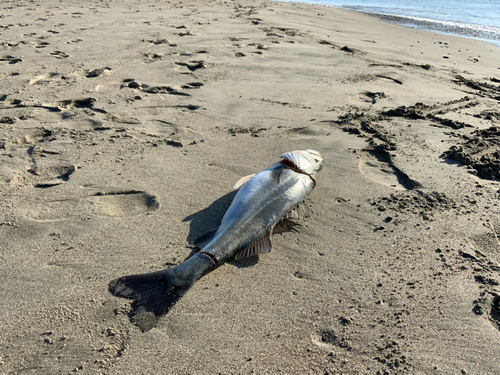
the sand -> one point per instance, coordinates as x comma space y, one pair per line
124, 126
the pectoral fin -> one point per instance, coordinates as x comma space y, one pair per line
277, 173
260, 246
300, 212
242, 181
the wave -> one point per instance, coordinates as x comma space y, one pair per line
450, 27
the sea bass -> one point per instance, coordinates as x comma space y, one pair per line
263, 199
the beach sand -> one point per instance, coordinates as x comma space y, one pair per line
124, 126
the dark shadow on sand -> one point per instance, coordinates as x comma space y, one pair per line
208, 218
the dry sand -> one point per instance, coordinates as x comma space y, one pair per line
123, 127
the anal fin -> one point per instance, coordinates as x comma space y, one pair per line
260, 246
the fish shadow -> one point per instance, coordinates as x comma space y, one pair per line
153, 294
208, 219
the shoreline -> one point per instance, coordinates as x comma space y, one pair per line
124, 127
452, 29
484, 33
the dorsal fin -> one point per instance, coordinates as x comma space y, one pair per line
260, 246
242, 181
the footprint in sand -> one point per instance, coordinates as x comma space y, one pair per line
133, 84
484, 255
44, 79
108, 204
172, 90
488, 305
378, 167
122, 204
93, 73
328, 338
114, 85
390, 79
52, 175
193, 65
192, 85
495, 312
11, 59
255, 21
88, 73
158, 41
41, 44
366, 98
153, 56
185, 33
59, 55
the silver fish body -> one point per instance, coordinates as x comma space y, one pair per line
257, 207
245, 230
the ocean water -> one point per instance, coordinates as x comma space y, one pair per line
479, 19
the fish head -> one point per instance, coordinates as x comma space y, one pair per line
305, 161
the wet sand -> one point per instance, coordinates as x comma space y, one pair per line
124, 126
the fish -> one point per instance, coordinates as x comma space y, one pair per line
264, 199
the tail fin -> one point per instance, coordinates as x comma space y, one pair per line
152, 293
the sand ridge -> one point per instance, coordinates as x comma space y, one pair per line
123, 127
